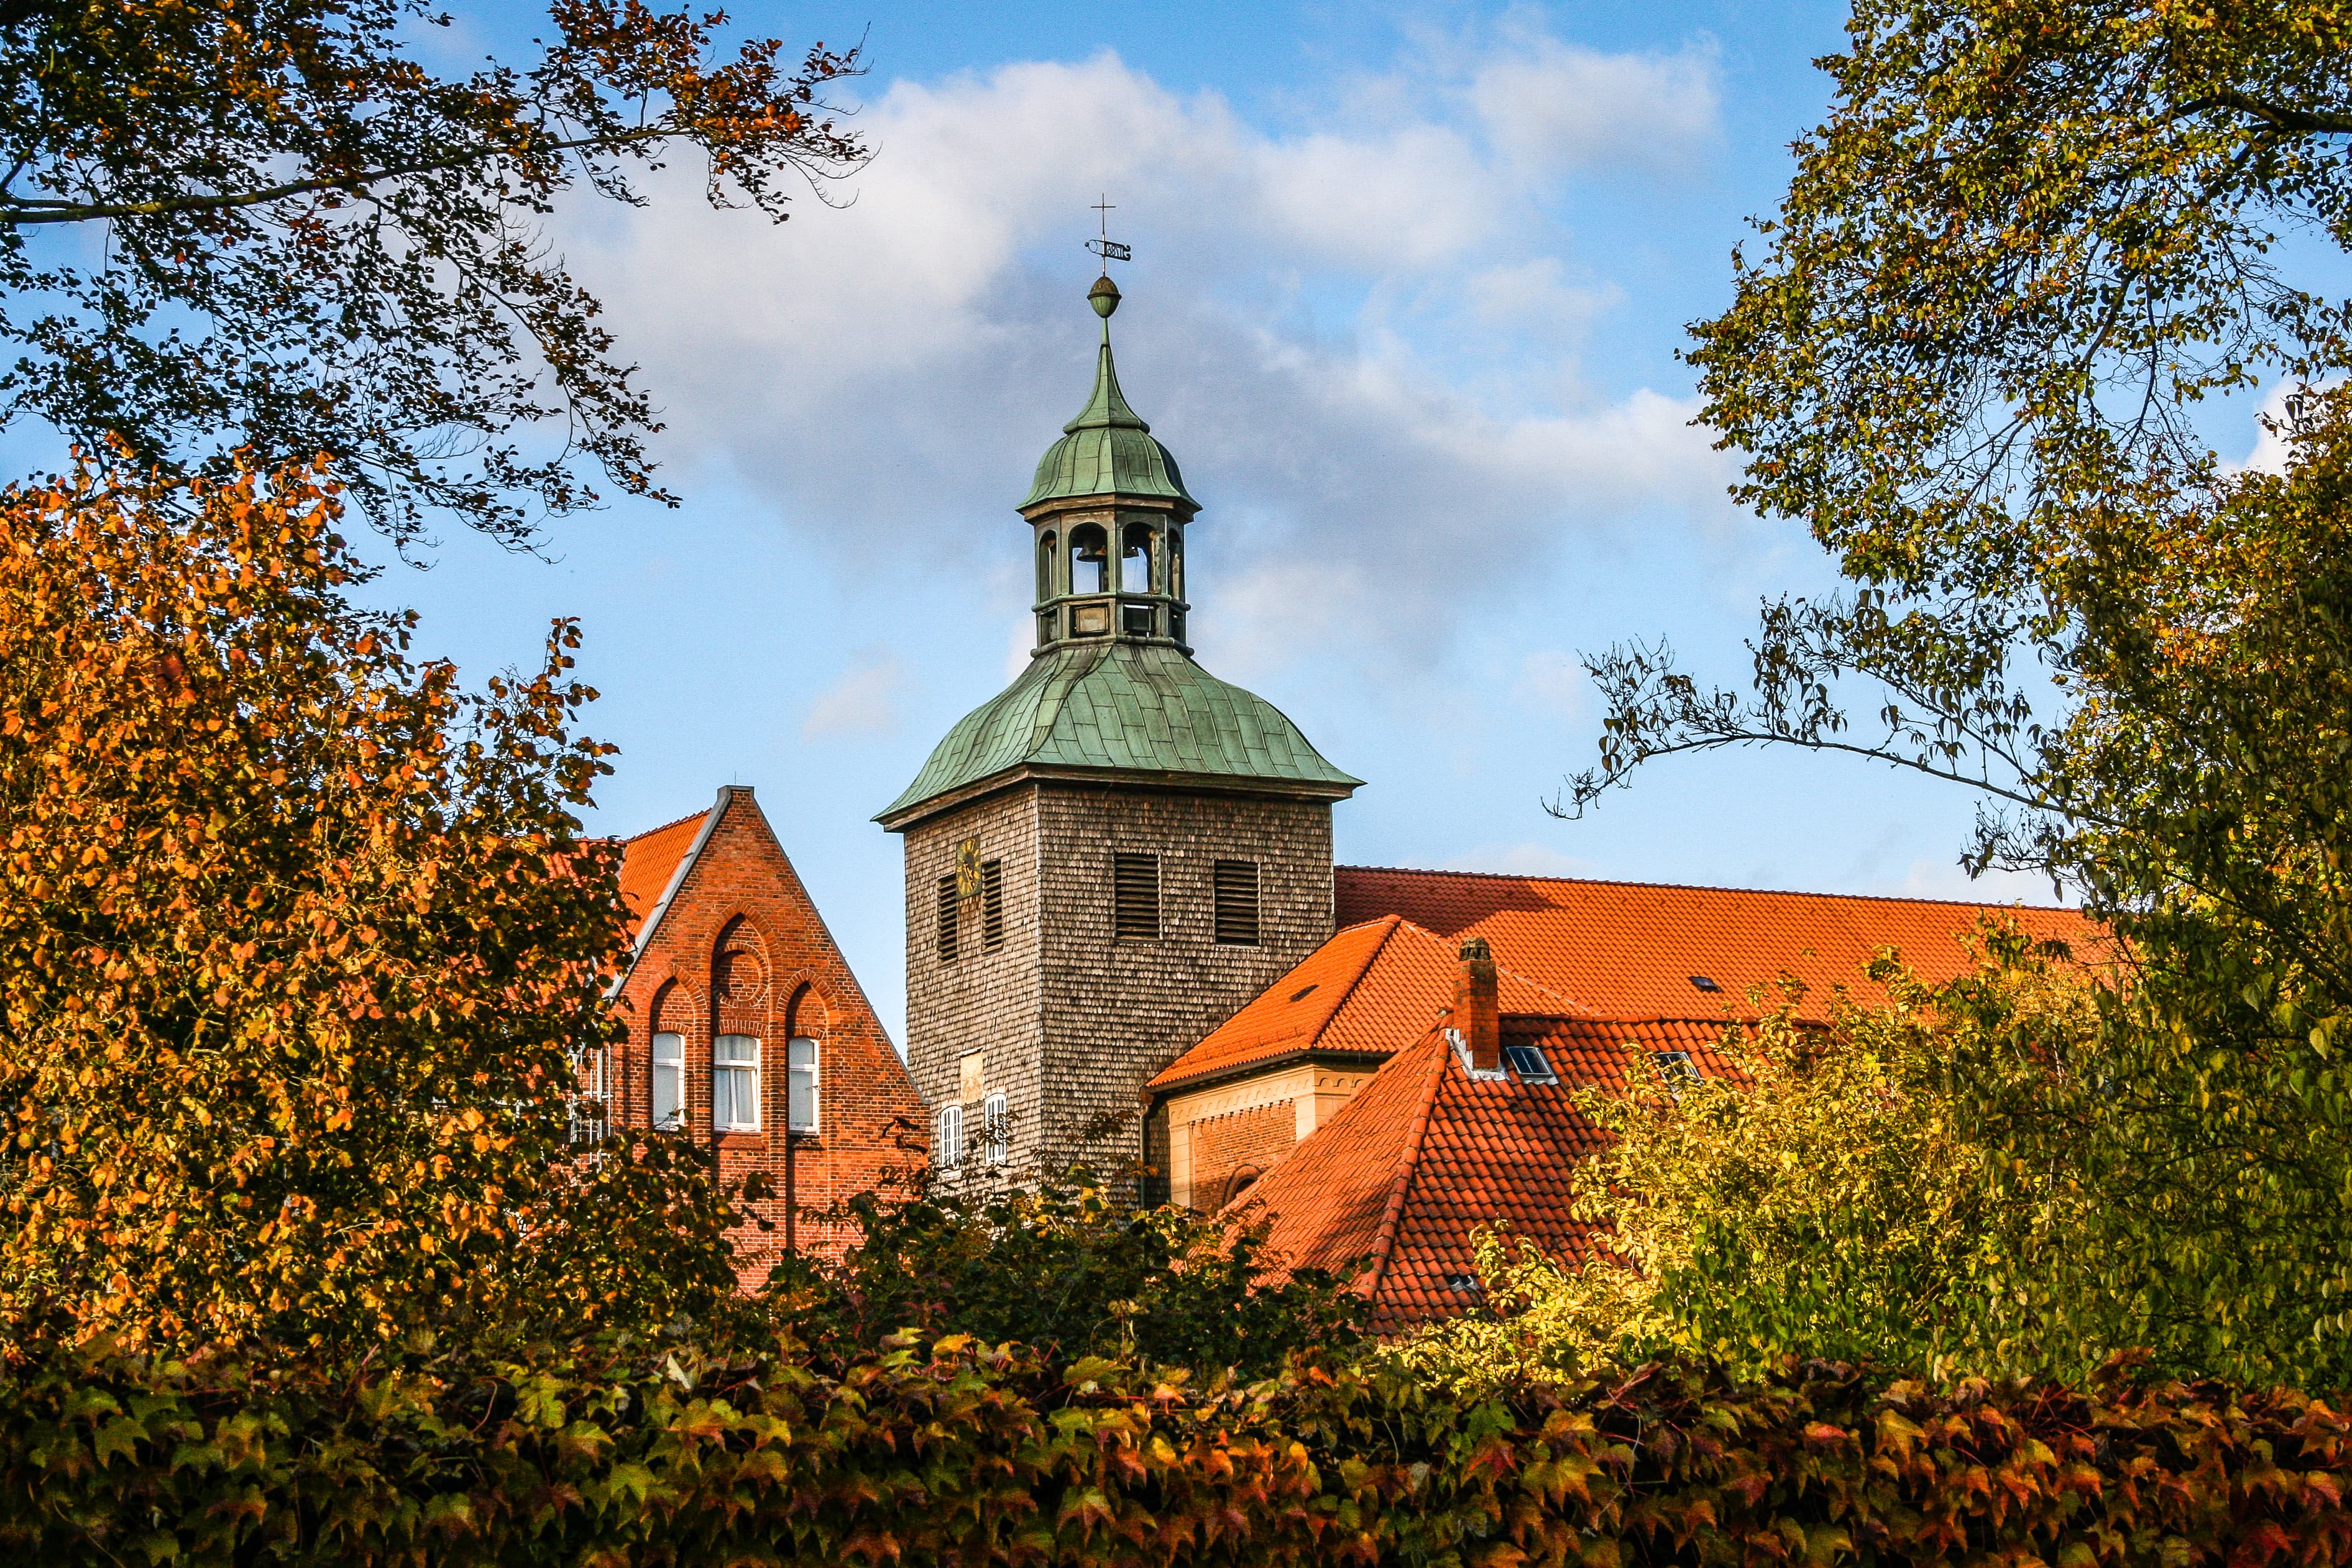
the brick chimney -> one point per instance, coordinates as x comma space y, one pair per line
1477, 1006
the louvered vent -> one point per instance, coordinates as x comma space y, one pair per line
1237, 904
1135, 898
946, 932
992, 904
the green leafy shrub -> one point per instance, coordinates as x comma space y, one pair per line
955, 1452
1070, 1268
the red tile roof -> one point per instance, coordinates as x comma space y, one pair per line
1394, 1185
1363, 992
1628, 950
649, 860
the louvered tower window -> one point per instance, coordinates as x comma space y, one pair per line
991, 906
1236, 890
945, 942
1135, 898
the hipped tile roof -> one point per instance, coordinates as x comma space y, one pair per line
1628, 950
1362, 993
1392, 1187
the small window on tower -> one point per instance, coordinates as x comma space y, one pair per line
1089, 560
1236, 890
1135, 620
1049, 545
991, 906
999, 1128
947, 1137
1135, 560
1135, 898
945, 942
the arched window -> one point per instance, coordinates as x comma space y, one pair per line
735, 1083
999, 1128
1135, 560
1049, 544
800, 1085
1176, 563
947, 1137
1089, 560
1240, 1182
670, 1079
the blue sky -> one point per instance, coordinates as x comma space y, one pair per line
1408, 286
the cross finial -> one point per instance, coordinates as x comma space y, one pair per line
1108, 248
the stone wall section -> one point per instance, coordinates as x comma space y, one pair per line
742, 949
1117, 1011
1070, 1023
987, 1003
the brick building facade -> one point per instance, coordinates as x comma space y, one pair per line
746, 1028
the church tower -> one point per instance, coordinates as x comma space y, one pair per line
1115, 854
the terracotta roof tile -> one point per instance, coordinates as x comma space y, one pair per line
1366, 989
1629, 949
648, 861
1421, 1156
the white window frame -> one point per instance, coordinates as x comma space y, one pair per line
1000, 1134
741, 1075
671, 1060
796, 1070
947, 1137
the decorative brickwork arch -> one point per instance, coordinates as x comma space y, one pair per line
739, 979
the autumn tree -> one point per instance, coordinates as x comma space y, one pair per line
1982, 353
302, 944
274, 226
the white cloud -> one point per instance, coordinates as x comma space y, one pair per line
2271, 444
862, 702
888, 372
1556, 106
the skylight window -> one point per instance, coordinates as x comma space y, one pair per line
1676, 1068
1705, 984
1462, 1284
1304, 992
1529, 1063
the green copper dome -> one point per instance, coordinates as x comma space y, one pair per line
1107, 448
1124, 706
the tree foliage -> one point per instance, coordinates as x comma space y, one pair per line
301, 941
1980, 356
272, 227
1840, 1195
1066, 1266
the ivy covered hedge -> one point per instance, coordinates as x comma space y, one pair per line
956, 1452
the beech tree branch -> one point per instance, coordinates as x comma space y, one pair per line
20, 211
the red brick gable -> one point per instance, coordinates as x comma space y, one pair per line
741, 949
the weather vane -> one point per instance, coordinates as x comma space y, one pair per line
1108, 248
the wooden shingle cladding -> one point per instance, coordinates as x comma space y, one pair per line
1072, 1016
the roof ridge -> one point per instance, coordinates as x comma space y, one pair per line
1711, 887
1416, 1135
666, 827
